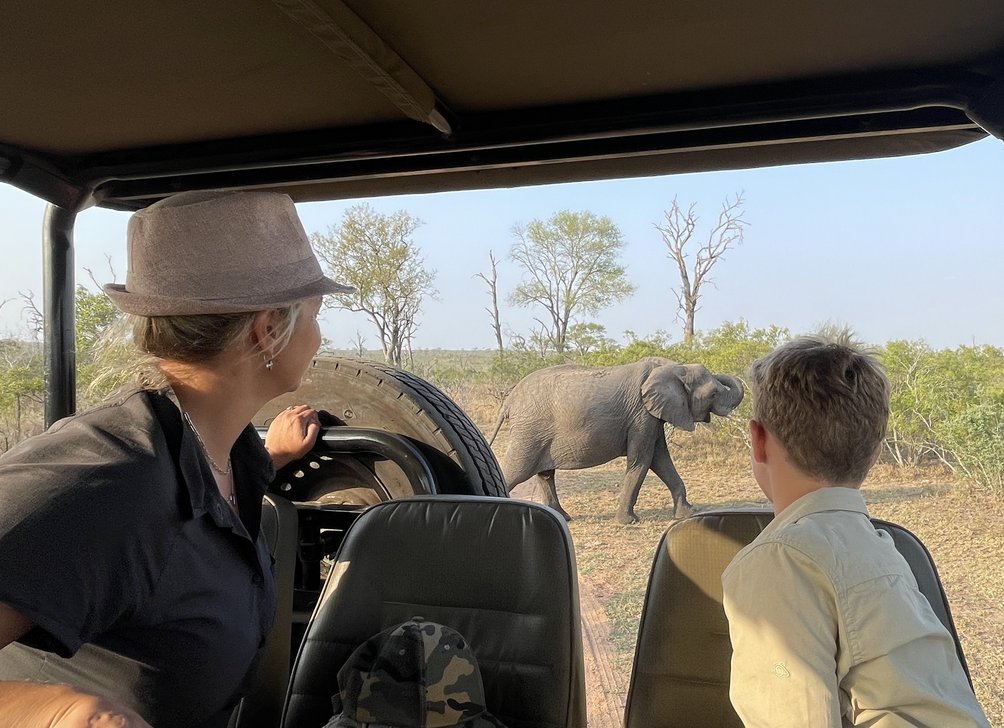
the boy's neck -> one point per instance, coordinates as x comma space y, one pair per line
778, 477
785, 483
785, 496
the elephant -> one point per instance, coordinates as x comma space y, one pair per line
569, 416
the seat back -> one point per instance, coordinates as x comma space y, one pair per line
262, 706
500, 571
683, 652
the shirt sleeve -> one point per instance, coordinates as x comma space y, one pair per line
783, 626
74, 530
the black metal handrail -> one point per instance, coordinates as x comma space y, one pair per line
390, 446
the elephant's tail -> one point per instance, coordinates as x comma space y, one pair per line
503, 416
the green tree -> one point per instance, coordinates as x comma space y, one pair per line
95, 312
21, 391
976, 439
101, 363
571, 268
21, 365
944, 406
588, 338
376, 254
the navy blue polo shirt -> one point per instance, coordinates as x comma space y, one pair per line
143, 584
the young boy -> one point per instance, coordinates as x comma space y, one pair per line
828, 626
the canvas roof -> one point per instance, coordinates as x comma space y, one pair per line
121, 103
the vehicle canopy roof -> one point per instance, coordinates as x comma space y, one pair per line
120, 104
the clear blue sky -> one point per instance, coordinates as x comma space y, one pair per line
901, 248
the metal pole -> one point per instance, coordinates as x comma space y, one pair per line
58, 295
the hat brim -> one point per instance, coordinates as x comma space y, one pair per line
485, 720
147, 305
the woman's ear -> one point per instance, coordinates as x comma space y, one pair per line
665, 396
263, 333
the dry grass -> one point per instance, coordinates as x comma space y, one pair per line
962, 529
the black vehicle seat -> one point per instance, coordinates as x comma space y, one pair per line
262, 707
683, 653
500, 571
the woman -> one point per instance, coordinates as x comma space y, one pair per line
133, 574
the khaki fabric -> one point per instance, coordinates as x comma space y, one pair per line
829, 628
680, 677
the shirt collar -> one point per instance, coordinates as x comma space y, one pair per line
823, 499
253, 468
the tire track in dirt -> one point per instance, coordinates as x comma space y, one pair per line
605, 691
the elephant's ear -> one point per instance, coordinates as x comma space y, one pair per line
665, 396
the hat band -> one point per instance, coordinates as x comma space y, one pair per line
208, 284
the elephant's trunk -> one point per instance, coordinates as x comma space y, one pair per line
728, 399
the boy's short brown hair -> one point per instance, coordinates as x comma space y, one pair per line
827, 401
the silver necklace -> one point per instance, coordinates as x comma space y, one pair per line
212, 463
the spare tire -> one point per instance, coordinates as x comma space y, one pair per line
362, 393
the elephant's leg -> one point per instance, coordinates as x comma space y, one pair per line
517, 468
551, 493
662, 465
640, 444
637, 469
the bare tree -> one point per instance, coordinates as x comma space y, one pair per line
493, 292
358, 342
36, 321
111, 271
677, 232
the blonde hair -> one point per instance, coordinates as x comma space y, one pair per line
826, 400
198, 338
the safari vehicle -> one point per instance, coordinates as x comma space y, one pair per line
119, 105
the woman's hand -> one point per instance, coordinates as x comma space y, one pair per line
292, 434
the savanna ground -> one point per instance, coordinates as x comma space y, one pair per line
961, 526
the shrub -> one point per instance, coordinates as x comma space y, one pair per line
975, 437
941, 402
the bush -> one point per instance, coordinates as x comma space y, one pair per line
729, 349
975, 437
942, 407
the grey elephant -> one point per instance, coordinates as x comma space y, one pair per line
569, 417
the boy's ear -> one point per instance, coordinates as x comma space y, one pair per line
758, 442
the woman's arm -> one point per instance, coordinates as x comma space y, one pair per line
13, 625
47, 705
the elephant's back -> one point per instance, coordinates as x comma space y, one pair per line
573, 391
580, 399
563, 376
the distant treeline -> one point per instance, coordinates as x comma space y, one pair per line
947, 404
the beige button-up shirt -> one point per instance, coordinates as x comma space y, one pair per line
829, 628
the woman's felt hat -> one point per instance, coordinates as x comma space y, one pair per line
218, 252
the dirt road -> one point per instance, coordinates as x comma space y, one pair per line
605, 691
